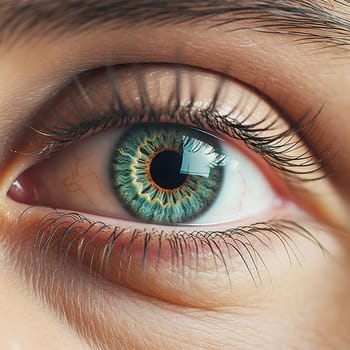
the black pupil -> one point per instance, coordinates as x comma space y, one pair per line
165, 170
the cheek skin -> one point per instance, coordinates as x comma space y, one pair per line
25, 322
303, 306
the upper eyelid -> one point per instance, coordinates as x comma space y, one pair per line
275, 149
59, 71
308, 20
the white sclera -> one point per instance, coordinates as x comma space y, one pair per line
244, 193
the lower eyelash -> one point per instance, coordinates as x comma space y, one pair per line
73, 235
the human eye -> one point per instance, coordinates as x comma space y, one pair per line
166, 171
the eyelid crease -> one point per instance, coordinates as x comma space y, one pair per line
284, 150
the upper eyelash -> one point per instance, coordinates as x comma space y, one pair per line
278, 149
67, 226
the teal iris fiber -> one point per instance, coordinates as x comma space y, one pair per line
146, 176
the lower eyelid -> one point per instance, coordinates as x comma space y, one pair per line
177, 273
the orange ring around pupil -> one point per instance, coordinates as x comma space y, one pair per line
150, 177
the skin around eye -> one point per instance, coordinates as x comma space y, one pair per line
306, 308
151, 259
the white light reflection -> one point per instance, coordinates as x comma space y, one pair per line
199, 157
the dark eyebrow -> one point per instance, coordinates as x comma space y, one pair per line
307, 20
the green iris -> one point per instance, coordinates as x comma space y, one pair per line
166, 173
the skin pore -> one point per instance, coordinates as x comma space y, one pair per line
295, 54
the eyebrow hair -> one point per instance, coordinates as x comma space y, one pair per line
309, 21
